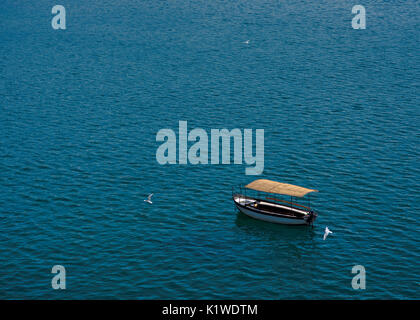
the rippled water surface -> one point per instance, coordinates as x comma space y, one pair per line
79, 113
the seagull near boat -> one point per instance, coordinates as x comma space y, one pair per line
268, 208
327, 232
149, 198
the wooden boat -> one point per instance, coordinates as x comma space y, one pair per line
272, 209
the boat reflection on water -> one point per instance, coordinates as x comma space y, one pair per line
295, 241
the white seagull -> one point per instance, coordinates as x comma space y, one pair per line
149, 198
327, 232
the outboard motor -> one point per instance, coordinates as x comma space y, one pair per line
311, 218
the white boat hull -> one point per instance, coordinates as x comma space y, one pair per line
268, 218
241, 204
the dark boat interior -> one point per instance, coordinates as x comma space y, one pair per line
276, 208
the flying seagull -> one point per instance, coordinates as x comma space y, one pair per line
149, 198
327, 232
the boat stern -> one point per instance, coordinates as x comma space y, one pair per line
311, 217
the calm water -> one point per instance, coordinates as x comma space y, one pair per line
79, 113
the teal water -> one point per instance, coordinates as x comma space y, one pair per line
79, 113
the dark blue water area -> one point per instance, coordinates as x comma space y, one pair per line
80, 109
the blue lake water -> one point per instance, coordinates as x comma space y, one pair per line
79, 113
